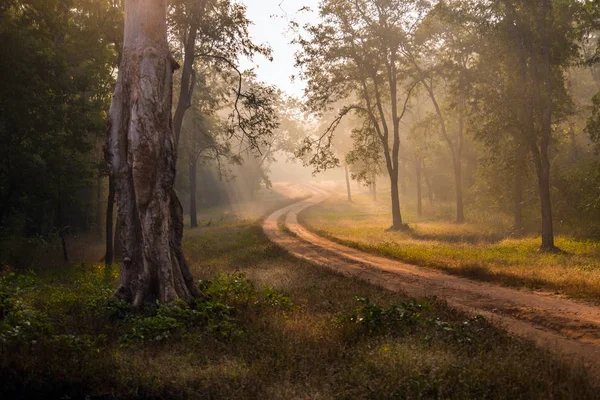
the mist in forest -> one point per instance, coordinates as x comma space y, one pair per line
299, 199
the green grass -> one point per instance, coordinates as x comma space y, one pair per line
481, 251
285, 329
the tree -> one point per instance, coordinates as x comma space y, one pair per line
441, 57
53, 98
141, 154
356, 50
215, 32
540, 42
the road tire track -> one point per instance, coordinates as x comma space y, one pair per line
560, 324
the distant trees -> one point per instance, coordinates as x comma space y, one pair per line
212, 35
55, 88
494, 70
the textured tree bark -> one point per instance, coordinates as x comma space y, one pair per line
142, 158
193, 183
348, 183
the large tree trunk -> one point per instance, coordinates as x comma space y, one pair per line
193, 183
142, 158
348, 189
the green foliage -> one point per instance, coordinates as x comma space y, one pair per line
371, 317
57, 78
151, 329
411, 317
232, 289
217, 313
277, 300
593, 123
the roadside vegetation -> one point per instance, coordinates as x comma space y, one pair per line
266, 326
484, 249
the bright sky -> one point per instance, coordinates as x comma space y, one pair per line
271, 25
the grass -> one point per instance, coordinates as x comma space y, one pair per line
483, 251
284, 329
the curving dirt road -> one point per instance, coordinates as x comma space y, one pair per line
560, 324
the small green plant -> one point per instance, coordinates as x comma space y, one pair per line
231, 289
158, 328
277, 300
374, 318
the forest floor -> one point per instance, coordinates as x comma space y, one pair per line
549, 319
269, 325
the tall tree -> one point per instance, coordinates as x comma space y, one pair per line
540, 44
356, 50
142, 158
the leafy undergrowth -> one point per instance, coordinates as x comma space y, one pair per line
267, 326
474, 251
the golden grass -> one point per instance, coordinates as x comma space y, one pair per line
474, 250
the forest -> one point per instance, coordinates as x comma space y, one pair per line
313, 199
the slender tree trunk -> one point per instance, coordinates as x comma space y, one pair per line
574, 147
193, 183
63, 242
142, 157
402, 176
374, 186
419, 187
518, 190
108, 256
397, 223
188, 81
118, 241
62, 229
348, 189
430, 196
544, 173
99, 221
460, 208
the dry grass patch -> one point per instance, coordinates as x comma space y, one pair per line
474, 251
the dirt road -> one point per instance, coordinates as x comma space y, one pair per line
560, 324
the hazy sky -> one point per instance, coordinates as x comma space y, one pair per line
271, 25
